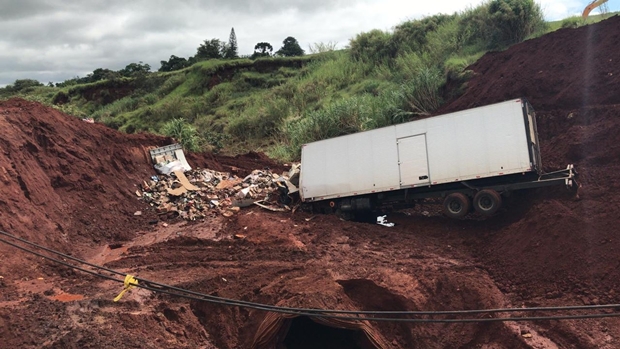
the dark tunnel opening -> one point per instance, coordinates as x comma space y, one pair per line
306, 334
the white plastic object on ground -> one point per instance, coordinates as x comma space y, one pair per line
382, 221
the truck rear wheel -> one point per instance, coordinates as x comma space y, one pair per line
487, 202
456, 205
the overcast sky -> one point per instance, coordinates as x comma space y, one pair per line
54, 40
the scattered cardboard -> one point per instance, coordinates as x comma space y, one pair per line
228, 183
184, 181
177, 192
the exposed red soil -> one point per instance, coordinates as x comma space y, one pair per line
69, 185
567, 69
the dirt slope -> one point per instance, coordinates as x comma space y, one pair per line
67, 181
69, 184
571, 77
566, 69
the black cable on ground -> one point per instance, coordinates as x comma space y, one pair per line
59, 261
326, 313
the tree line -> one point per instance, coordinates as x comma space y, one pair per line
209, 49
217, 49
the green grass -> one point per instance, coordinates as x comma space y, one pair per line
555, 25
276, 104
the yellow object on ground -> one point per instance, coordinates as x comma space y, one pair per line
128, 284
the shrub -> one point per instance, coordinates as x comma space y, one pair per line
375, 46
412, 35
445, 41
475, 26
572, 22
215, 140
514, 20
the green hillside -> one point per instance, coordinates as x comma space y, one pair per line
275, 104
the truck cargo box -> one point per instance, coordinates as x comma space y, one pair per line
494, 140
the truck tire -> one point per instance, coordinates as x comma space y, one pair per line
456, 205
487, 202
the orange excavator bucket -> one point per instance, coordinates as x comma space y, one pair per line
591, 7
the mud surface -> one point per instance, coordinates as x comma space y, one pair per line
70, 185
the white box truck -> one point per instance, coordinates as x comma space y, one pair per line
469, 158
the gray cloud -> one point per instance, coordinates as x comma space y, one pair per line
23, 9
54, 40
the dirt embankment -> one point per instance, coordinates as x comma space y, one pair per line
67, 181
564, 70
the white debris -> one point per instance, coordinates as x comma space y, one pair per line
382, 221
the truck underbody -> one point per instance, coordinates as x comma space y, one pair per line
459, 198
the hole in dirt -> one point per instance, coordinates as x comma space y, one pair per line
114, 246
372, 296
306, 334
171, 314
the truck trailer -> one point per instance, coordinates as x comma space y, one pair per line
470, 158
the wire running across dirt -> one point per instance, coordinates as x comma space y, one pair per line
325, 313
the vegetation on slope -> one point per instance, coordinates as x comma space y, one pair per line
277, 103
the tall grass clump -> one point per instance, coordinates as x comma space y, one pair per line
423, 92
120, 106
338, 72
182, 132
171, 84
344, 116
172, 108
261, 120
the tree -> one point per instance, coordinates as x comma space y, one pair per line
23, 85
103, 74
290, 48
210, 49
174, 63
262, 49
135, 69
230, 51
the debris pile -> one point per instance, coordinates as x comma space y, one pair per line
198, 193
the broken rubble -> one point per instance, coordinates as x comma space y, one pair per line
199, 193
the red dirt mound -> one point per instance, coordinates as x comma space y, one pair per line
65, 181
566, 69
550, 245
